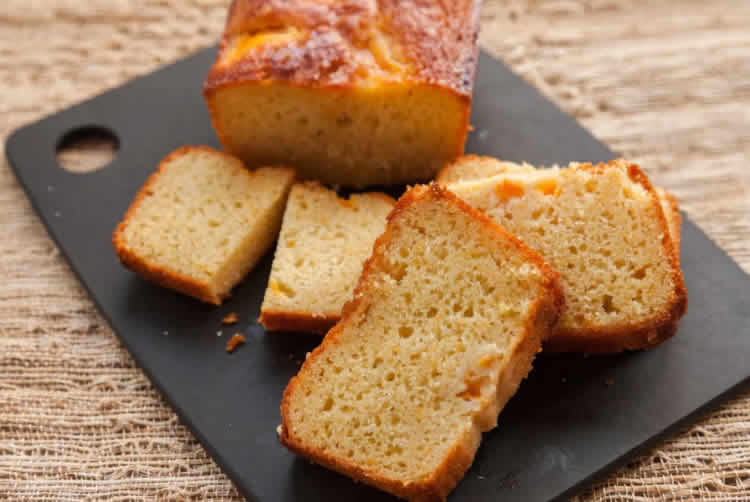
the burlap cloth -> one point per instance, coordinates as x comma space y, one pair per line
666, 83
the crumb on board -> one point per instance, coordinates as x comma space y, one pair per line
219, 333
230, 318
278, 429
234, 342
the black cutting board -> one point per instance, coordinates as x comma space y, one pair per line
574, 418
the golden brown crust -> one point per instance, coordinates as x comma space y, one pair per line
612, 342
163, 277
631, 336
457, 461
280, 320
436, 40
147, 270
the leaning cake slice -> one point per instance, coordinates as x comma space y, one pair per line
447, 317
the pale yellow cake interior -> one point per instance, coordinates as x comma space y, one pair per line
208, 218
379, 133
323, 242
602, 231
422, 364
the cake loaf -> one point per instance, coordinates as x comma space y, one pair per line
449, 312
351, 92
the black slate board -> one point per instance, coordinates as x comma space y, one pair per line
564, 426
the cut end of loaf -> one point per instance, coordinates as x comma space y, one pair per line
389, 134
351, 93
439, 335
202, 221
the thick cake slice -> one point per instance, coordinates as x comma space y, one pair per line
323, 243
350, 92
202, 221
604, 229
447, 317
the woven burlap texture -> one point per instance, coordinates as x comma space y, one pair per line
666, 83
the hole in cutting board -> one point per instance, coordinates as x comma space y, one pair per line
87, 149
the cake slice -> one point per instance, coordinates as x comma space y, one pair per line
448, 314
476, 167
323, 243
603, 228
202, 221
349, 92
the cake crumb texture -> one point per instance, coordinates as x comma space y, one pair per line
605, 229
202, 221
447, 317
324, 241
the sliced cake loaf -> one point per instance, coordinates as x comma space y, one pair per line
323, 243
603, 228
202, 221
475, 167
447, 317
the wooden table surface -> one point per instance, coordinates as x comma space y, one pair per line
664, 83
